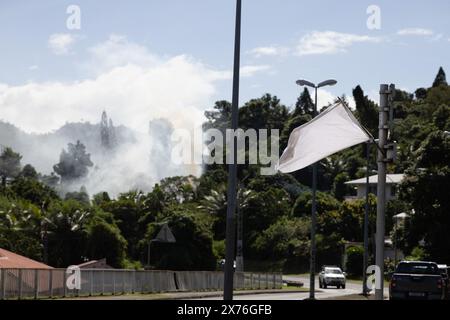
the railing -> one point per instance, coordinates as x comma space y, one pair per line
50, 283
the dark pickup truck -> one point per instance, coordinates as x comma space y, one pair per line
417, 280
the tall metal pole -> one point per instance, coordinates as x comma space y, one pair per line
312, 265
395, 242
148, 253
381, 185
366, 221
240, 233
232, 170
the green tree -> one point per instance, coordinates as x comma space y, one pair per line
366, 110
20, 227
325, 202
421, 93
29, 172
67, 233
132, 212
266, 112
304, 105
215, 204
220, 117
193, 249
286, 239
9, 164
51, 180
74, 163
180, 189
426, 189
441, 117
262, 210
440, 78
340, 189
106, 241
101, 198
81, 196
33, 191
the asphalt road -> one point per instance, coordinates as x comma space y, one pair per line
330, 293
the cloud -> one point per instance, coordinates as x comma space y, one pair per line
268, 51
437, 37
245, 72
330, 42
117, 51
133, 85
415, 32
33, 68
249, 71
61, 43
324, 98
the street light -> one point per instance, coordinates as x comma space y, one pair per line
314, 189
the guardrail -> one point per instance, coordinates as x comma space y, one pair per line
50, 283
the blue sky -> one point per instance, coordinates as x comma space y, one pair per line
176, 56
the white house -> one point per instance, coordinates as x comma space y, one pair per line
392, 182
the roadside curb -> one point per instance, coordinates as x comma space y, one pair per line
194, 295
355, 297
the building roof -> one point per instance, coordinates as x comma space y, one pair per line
390, 179
10, 260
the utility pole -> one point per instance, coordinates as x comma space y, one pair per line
366, 221
386, 92
232, 168
240, 233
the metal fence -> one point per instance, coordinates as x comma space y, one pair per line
50, 283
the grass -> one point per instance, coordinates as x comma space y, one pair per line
295, 288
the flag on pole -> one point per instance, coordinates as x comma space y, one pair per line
333, 130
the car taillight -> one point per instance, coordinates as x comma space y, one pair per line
439, 283
393, 283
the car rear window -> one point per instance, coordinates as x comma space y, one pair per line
334, 271
417, 268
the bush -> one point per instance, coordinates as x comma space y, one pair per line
355, 260
417, 254
105, 241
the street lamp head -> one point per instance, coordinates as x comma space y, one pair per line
327, 83
305, 83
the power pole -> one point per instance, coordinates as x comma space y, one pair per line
232, 168
366, 221
384, 125
240, 233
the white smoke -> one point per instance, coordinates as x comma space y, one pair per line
135, 87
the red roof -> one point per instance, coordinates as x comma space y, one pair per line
11, 260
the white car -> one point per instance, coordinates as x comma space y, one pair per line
331, 276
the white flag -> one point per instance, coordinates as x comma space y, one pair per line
333, 130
